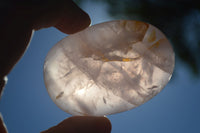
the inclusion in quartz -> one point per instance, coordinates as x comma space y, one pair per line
108, 68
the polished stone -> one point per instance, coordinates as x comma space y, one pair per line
108, 68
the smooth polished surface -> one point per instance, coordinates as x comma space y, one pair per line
108, 68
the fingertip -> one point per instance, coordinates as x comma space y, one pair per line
65, 15
103, 124
91, 124
70, 26
76, 21
82, 124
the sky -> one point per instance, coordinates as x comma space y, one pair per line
27, 108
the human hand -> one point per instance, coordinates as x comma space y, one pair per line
19, 21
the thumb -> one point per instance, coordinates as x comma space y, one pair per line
82, 124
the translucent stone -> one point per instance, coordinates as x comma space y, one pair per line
108, 68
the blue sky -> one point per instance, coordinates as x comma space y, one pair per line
27, 108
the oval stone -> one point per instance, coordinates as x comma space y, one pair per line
108, 68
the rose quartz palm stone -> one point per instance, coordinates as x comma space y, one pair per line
108, 68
